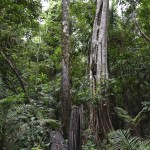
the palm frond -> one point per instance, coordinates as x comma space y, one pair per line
144, 145
122, 140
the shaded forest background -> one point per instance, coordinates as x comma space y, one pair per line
30, 72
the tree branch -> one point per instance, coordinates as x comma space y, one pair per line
141, 32
17, 75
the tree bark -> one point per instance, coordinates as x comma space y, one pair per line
66, 102
75, 135
100, 122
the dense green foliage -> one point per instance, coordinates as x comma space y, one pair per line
30, 72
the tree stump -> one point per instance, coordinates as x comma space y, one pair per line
75, 133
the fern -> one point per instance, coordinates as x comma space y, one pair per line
21, 126
12, 99
123, 114
122, 140
127, 118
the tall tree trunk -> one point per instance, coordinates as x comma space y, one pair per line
66, 102
100, 122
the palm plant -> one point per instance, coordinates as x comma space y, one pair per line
122, 140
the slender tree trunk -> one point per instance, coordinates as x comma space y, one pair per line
100, 122
66, 102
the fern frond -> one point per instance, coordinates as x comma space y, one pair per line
123, 114
127, 118
122, 140
12, 99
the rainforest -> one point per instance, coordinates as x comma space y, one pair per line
75, 75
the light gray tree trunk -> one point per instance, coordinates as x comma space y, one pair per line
66, 102
100, 122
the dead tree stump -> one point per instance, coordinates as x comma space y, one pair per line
75, 133
57, 141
